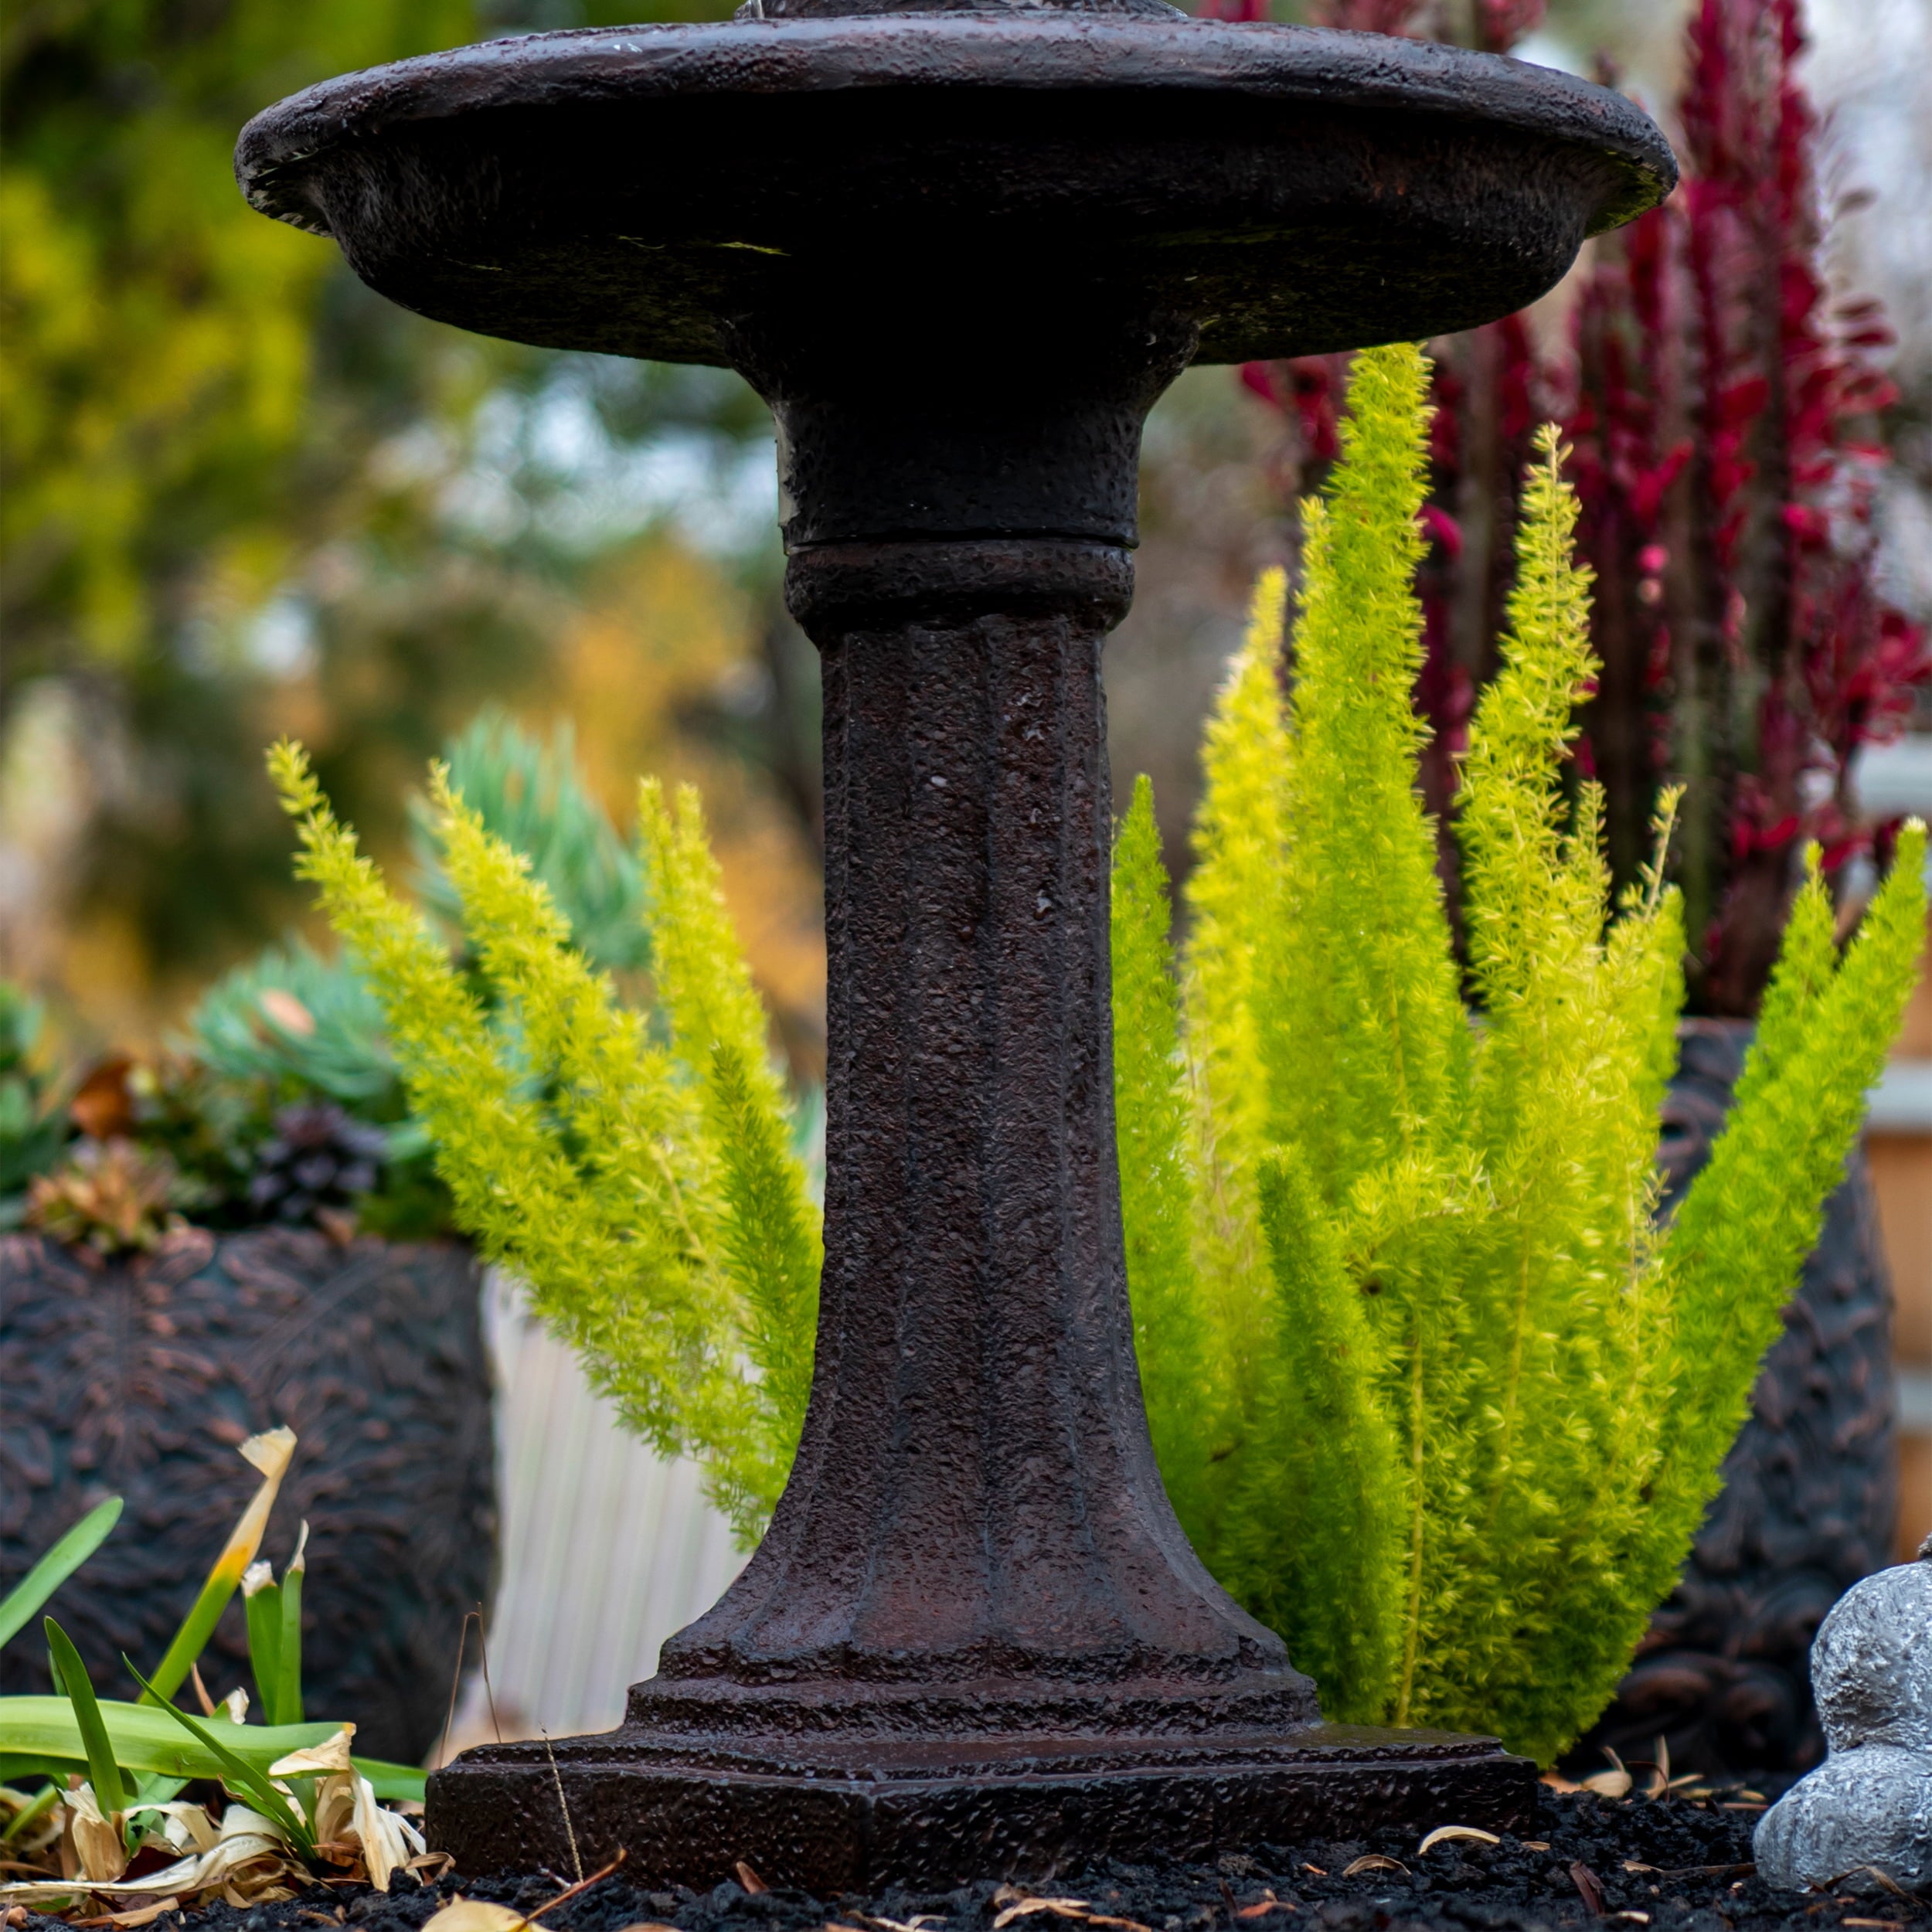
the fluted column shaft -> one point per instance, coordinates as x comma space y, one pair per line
975, 1496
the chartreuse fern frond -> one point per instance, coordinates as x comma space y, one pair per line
1358, 1025
1561, 1125
1741, 1232
1184, 1400
1481, 1396
1321, 1436
653, 1210
769, 1225
1232, 902
774, 1250
619, 1110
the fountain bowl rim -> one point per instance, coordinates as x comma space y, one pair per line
1055, 49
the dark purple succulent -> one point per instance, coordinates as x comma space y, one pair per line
318, 1157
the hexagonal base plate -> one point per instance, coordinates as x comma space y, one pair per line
499, 1809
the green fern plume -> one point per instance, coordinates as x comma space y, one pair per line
769, 1226
1476, 1398
1233, 898
1151, 1129
530, 795
1314, 1545
648, 1202
1740, 1236
1355, 1008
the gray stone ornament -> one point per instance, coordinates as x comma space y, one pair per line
1867, 1809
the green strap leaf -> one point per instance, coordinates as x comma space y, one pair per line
103, 1772
288, 1696
269, 1453
39, 1738
56, 1567
236, 1772
263, 1605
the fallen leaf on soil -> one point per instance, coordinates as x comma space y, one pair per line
1886, 1882
140, 1915
1023, 1906
389, 1842
98, 1851
1614, 1783
246, 1864
1589, 1885
1374, 1861
478, 1915
1443, 1833
1267, 1903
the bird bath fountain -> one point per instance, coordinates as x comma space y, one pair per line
961, 254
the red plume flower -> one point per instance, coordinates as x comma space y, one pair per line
1721, 409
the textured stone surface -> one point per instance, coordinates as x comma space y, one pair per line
1867, 1810
1872, 1665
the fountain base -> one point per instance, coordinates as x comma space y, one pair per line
685, 1811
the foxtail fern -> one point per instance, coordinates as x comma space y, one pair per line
1462, 1402
644, 1189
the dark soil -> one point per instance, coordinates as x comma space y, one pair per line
1682, 1863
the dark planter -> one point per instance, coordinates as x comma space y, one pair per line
1809, 1501
139, 1378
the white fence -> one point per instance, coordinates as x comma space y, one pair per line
607, 1548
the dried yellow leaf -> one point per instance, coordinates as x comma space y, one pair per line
1443, 1833
1374, 1861
1608, 1783
1063, 1908
478, 1915
93, 1838
388, 1840
331, 1755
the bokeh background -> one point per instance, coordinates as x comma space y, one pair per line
243, 497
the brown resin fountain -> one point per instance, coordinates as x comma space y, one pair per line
961, 253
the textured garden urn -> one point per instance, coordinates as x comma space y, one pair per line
961, 253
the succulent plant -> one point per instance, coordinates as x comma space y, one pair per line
32, 1130
318, 1160
296, 1020
110, 1196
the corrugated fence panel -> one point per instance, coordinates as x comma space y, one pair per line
608, 1548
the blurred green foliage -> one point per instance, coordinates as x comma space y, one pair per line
237, 491
160, 363
31, 1124
533, 797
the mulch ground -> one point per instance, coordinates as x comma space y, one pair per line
1672, 1862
